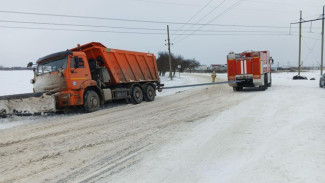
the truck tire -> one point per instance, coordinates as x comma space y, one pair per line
150, 93
321, 84
91, 101
270, 83
136, 95
238, 88
265, 86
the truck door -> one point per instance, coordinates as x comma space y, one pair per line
79, 72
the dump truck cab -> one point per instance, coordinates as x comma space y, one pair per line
63, 74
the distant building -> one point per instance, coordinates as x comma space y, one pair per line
202, 68
218, 67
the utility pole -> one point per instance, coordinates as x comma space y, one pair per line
299, 64
169, 54
322, 51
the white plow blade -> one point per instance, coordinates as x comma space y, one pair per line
31, 105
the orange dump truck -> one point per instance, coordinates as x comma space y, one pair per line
249, 69
90, 75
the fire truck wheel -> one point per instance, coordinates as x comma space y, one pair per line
321, 83
136, 95
265, 86
237, 88
270, 83
265, 82
150, 93
91, 101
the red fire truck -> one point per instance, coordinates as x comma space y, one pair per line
249, 69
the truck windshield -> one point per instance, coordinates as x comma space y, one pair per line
52, 65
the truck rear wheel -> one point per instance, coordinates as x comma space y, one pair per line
136, 95
265, 86
321, 84
91, 101
238, 88
270, 83
150, 93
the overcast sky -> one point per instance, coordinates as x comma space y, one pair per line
146, 21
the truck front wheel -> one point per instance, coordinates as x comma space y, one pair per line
136, 95
91, 101
150, 93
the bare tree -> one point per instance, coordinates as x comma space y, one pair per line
163, 63
193, 64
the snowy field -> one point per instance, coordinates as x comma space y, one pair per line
16, 82
268, 136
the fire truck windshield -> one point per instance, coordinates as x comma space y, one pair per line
51, 65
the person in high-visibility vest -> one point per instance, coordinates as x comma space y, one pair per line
213, 76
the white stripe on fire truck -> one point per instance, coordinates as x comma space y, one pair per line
241, 67
245, 67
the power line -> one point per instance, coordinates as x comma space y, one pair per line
163, 2
213, 19
143, 28
195, 15
277, 3
130, 28
211, 11
142, 21
307, 37
304, 21
150, 33
79, 30
77, 25
310, 49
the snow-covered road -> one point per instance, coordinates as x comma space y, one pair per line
272, 136
203, 134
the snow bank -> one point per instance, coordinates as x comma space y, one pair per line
182, 79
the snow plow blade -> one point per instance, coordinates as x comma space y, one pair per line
27, 104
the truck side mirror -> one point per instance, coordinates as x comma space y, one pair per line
271, 60
30, 64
